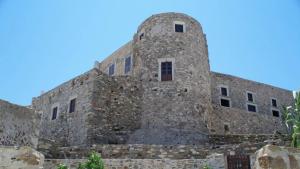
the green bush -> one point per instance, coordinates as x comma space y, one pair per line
94, 162
62, 166
207, 167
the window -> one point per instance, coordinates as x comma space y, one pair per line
54, 113
179, 28
251, 107
274, 102
142, 36
111, 70
166, 71
224, 91
225, 102
275, 113
72, 105
250, 97
127, 64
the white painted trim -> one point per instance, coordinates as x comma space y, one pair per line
220, 89
179, 23
253, 96
51, 111
160, 60
253, 104
225, 98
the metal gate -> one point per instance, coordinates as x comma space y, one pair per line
238, 162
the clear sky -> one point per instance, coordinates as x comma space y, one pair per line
44, 43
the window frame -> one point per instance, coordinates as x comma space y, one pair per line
57, 113
252, 104
179, 23
224, 98
275, 109
220, 90
69, 104
253, 96
130, 67
160, 61
114, 70
276, 100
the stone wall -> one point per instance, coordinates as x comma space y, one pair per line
18, 125
115, 111
67, 128
23, 157
173, 112
237, 118
117, 58
276, 157
243, 122
244, 145
216, 161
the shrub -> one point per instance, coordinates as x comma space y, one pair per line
206, 166
94, 162
62, 166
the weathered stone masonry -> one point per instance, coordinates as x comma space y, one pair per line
140, 107
18, 125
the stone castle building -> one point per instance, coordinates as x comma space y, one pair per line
156, 89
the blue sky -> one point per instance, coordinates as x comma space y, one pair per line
45, 43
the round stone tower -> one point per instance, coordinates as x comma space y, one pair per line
171, 60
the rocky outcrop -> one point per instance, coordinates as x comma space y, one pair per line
24, 157
275, 157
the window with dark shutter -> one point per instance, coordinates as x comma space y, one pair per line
224, 91
179, 28
250, 97
72, 106
274, 102
54, 113
127, 64
166, 71
111, 70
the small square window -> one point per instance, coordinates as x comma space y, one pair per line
275, 113
72, 105
251, 108
54, 113
250, 97
274, 102
225, 102
127, 64
224, 91
111, 70
179, 28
